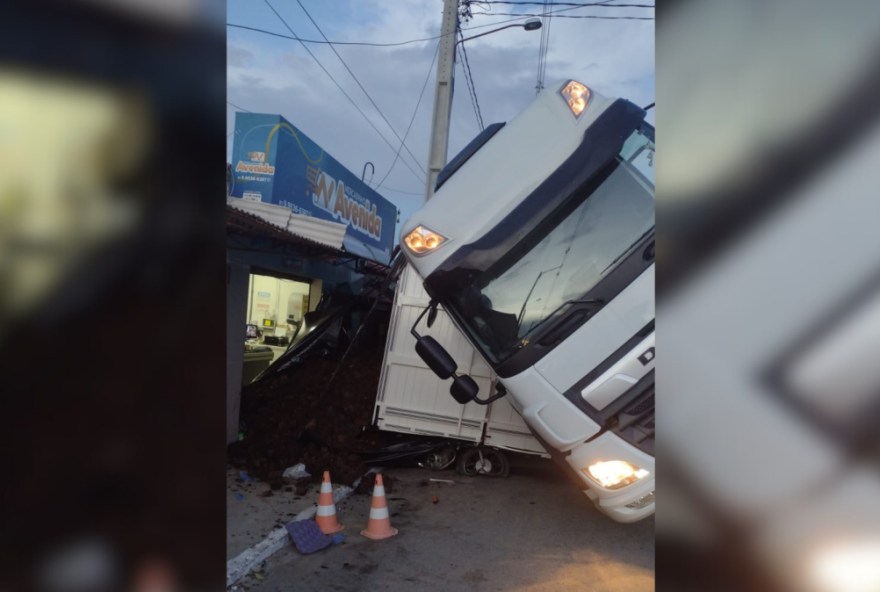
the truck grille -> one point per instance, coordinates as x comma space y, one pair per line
636, 423
642, 407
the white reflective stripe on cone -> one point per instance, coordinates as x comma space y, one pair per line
326, 510
378, 513
379, 490
326, 488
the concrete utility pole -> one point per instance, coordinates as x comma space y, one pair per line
437, 150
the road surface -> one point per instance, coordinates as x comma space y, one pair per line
531, 532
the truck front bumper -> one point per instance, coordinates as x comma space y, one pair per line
628, 504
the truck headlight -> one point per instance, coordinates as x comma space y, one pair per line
847, 566
421, 240
614, 474
576, 95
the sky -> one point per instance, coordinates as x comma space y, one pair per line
273, 75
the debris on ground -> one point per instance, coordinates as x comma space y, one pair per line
244, 476
296, 471
307, 536
239, 496
436, 499
288, 423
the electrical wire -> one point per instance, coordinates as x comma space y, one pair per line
413, 118
470, 92
372, 102
367, 44
577, 16
398, 190
546, 47
541, 51
519, 18
472, 88
364, 43
239, 108
306, 47
577, 4
542, 47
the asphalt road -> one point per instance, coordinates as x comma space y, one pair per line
533, 531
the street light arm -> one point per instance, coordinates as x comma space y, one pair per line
487, 33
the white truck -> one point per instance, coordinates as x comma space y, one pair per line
538, 246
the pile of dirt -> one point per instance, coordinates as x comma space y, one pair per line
286, 422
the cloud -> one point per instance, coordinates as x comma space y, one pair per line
280, 77
237, 56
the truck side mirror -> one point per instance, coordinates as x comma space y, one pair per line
464, 389
436, 357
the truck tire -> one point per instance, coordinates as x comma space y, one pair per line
483, 462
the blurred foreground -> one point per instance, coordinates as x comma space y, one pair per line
111, 246
769, 296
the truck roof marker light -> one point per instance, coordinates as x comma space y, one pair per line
577, 96
423, 240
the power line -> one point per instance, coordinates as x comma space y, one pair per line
549, 18
239, 108
340, 88
519, 18
398, 190
372, 102
575, 16
469, 79
473, 84
577, 4
416, 110
470, 92
542, 47
368, 44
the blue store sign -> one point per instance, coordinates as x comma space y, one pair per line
273, 162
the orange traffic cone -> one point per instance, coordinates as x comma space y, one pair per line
379, 526
326, 517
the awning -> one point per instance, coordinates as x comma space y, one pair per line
280, 223
312, 229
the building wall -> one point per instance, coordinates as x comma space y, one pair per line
261, 253
238, 277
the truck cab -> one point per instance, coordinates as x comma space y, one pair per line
539, 244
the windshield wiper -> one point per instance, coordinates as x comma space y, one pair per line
627, 250
558, 308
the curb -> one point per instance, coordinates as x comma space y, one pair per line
240, 566
249, 559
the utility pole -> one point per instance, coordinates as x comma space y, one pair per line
437, 150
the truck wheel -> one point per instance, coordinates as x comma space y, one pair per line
484, 462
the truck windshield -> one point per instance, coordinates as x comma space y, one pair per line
571, 252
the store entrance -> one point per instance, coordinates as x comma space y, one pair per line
275, 311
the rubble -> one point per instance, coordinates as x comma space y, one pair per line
296, 471
288, 423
